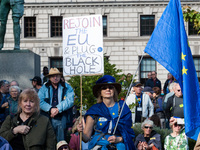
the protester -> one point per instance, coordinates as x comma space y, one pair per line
140, 104
37, 83
166, 97
157, 102
149, 139
148, 90
154, 81
13, 100
63, 145
44, 74
177, 139
75, 138
4, 88
102, 117
14, 83
3, 101
175, 103
28, 129
170, 79
56, 102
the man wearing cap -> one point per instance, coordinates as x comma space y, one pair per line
37, 83
56, 101
140, 104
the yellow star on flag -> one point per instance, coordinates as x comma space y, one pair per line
113, 114
100, 124
184, 70
182, 56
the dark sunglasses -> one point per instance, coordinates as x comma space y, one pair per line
63, 147
108, 86
178, 90
177, 125
146, 127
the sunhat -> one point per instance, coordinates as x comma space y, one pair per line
54, 71
106, 80
61, 143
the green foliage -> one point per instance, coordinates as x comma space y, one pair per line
192, 16
89, 81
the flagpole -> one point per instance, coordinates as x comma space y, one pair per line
128, 93
81, 133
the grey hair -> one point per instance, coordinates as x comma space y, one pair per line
15, 87
15, 82
171, 86
147, 121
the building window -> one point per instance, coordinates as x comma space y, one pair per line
56, 62
147, 24
56, 26
197, 66
29, 26
147, 65
104, 25
191, 29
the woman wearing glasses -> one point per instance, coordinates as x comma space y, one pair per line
177, 139
149, 139
101, 118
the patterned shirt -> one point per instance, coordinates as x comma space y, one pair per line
179, 142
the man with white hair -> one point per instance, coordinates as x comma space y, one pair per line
171, 93
175, 103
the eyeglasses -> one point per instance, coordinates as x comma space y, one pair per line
178, 90
108, 86
63, 147
146, 127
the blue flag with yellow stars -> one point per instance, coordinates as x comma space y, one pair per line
169, 46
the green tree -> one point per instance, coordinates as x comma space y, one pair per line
89, 81
192, 16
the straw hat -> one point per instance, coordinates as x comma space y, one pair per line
54, 71
106, 80
61, 143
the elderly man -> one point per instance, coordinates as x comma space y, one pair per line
17, 7
153, 82
140, 104
175, 103
56, 100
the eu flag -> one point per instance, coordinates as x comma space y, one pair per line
169, 46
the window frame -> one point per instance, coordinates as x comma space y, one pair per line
142, 25
56, 28
33, 33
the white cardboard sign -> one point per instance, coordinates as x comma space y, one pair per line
83, 45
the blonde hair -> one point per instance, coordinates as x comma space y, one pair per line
100, 98
31, 94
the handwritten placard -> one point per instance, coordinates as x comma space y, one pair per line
83, 45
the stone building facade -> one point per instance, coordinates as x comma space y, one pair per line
124, 40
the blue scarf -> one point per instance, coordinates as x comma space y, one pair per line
124, 125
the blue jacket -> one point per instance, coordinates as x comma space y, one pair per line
46, 94
125, 122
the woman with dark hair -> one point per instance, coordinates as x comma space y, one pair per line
158, 106
28, 130
101, 118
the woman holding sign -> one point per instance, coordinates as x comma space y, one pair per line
101, 118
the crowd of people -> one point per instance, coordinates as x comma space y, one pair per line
39, 118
